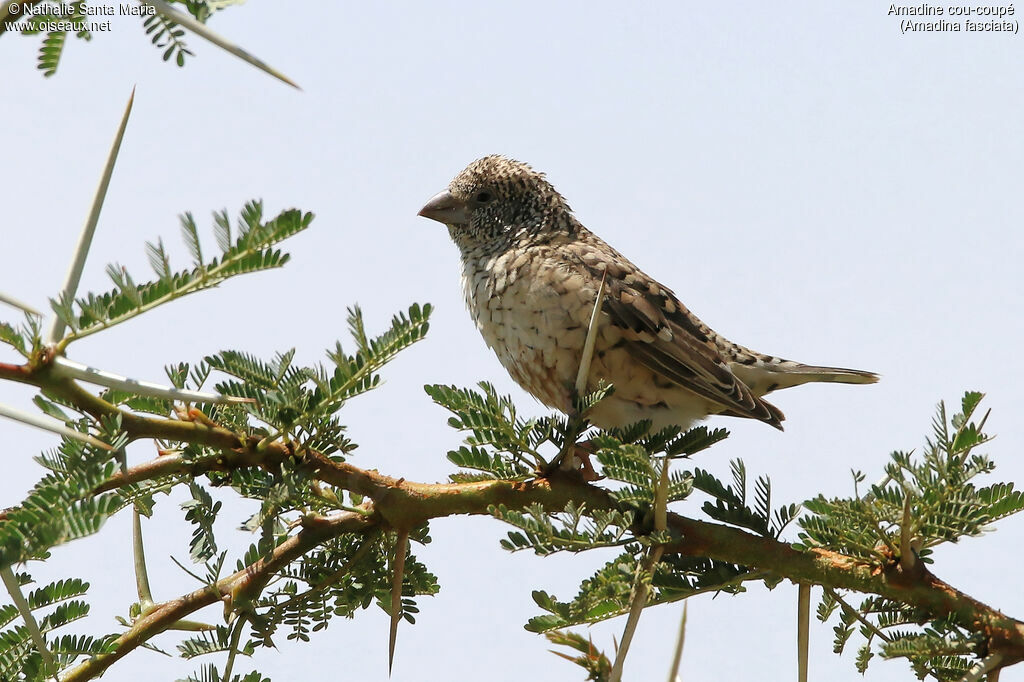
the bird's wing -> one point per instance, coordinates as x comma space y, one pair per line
667, 338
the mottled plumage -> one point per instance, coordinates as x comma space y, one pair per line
531, 273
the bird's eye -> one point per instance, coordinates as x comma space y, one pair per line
483, 197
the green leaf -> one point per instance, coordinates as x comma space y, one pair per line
190, 233
201, 511
12, 337
211, 642
252, 252
597, 665
50, 52
51, 408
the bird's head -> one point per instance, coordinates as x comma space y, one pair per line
497, 200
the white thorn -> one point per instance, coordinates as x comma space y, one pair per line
18, 597
56, 330
907, 557
49, 424
803, 629
10, 300
201, 30
673, 675
588, 345
982, 668
76, 370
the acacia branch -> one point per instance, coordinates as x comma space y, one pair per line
402, 503
398, 503
236, 588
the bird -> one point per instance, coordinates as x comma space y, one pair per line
531, 274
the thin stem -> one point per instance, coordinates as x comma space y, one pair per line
644, 574
237, 586
211, 277
661, 498
857, 614
637, 602
299, 599
236, 635
188, 572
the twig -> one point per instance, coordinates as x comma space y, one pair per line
236, 635
637, 601
74, 275
299, 599
203, 31
644, 574
857, 614
249, 579
14, 589
212, 275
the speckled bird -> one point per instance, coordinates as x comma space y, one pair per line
531, 273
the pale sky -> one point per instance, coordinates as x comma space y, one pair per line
808, 180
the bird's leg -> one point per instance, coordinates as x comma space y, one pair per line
578, 459
574, 456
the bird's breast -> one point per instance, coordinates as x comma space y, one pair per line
533, 311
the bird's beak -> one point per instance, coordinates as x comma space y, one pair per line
444, 208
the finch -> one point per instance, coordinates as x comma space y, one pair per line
531, 274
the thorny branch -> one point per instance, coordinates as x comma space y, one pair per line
234, 589
399, 503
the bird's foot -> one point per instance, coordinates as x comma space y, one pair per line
577, 458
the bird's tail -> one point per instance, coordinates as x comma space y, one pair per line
837, 375
765, 377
